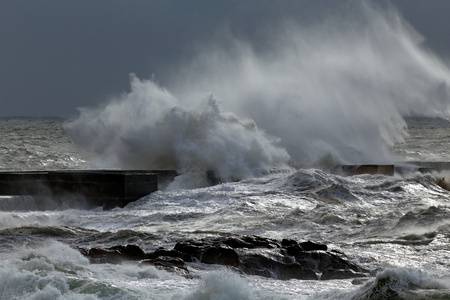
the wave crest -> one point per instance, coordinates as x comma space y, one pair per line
149, 128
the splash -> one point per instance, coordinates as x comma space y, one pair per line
401, 283
222, 285
151, 129
338, 87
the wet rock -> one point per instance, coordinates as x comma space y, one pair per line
102, 256
114, 254
322, 261
288, 242
131, 252
261, 242
221, 255
261, 265
311, 246
287, 259
168, 263
253, 255
237, 243
191, 248
210, 252
294, 250
170, 253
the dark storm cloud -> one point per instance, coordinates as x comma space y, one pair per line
58, 55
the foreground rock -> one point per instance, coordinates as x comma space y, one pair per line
252, 255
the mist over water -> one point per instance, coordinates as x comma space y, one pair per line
338, 87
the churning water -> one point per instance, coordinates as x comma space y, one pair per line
399, 226
271, 123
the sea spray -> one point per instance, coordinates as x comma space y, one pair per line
401, 283
149, 128
337, 87
278, 205
222, 285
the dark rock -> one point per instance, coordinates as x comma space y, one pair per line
267, 267
191, 248
114, 254
170, 264
221, 255
311, 246
322, 261
261, 242
207, 252
238, 243
102, 256
285, 260
249, 242
294, 250
253, 255
288, 242
130, 252
165, 252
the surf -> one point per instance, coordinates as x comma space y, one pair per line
334, 90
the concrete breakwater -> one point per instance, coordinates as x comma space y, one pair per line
366, 169
391, 169
83, 188
45, 190
438, 169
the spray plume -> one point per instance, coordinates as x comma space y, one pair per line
150, 129
339, 87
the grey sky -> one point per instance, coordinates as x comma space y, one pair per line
56, 56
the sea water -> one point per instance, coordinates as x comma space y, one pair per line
271, 123
397, 226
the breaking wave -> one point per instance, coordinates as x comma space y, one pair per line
338, 87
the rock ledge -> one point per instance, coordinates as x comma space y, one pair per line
251, 255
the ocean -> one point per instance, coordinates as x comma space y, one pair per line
272, 122
396, 226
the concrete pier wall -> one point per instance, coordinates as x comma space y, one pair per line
81, 188
391, 169
367, 169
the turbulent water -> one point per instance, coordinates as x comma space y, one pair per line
271, 123
399, 226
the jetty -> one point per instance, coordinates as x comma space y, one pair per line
86, 189
391, 169
83, 188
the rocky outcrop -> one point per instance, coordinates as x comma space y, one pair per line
252, 255
168, 263
114, 254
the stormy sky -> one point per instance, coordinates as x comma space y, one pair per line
56, 56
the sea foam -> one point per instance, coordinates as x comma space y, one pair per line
149, 128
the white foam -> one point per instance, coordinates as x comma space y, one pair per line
222, 285
403, 281
56, 271
42, 273
150, 129
338, 86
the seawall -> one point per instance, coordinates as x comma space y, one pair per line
83, 188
